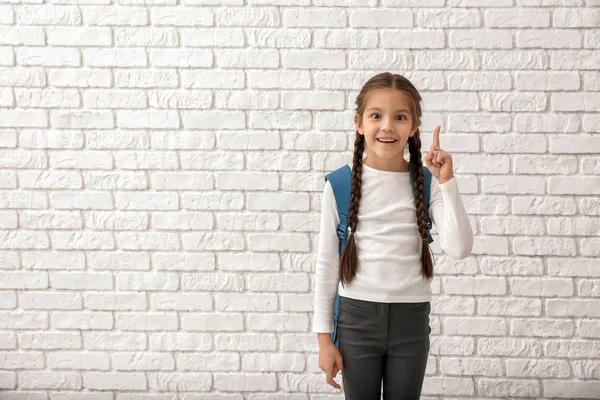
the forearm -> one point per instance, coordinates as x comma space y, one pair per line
456, 235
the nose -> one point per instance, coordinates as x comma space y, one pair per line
386, 124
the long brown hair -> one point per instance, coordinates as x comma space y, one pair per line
349, 259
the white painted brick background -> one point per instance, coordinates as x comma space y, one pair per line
161, 167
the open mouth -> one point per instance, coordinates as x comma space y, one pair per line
388, 141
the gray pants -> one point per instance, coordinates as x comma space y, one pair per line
383, 341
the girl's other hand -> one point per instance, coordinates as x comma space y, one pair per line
330, 362
438, 161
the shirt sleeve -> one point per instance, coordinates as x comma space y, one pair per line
327, 273
449, 215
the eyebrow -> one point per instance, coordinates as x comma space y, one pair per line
379, 109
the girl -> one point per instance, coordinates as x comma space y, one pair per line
385, 269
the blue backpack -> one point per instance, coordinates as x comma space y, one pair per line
341, 183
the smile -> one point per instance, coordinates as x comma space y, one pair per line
386, 140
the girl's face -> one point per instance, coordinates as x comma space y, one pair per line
386, 124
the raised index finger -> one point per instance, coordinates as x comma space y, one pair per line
436, 137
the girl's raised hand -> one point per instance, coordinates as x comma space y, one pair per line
438, 161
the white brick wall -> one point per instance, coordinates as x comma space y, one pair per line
161, 169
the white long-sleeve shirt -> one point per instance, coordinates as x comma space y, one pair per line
388, 242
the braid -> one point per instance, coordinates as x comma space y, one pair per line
349, 258
416, 166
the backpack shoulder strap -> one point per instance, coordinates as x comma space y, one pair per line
341, 183
427, 176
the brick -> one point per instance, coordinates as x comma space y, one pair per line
118, 261
78, 360
84, 200
574, 59
167, 281
246, 302
8, 340
248, 221
277, 322
181, 341
518, 60
114, 381
532, 102
23, 280
50, 380
452, 346
114, 341
474, 286
332, 18
246, 342
449, 18
21, 360
538, 368
385, 18
209, 362
471, 366
542, 328
517, 18
212, 321
509, 307
81, 280
453, 305
546, 205
530, 226
273, 362
117, 221
183, 262
514, 347
543, 287
480, 39
148, 321
278, 201
246, 382
148, 241
105, 180
176, 381
50, 340
566, 165
48, 301
314, 59
549, 39
572, 267
576, 18
260, 16
570, 348
182, 301
277, 242
143, 361
480, 326
572, 390
85, 320
290, 382
115, 301
335, 39
573, 308
8, 380
508, 185
297, 282
508, 387
374, 59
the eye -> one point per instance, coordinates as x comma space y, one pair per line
402, 116
372, 115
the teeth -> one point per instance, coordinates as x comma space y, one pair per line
386, 141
